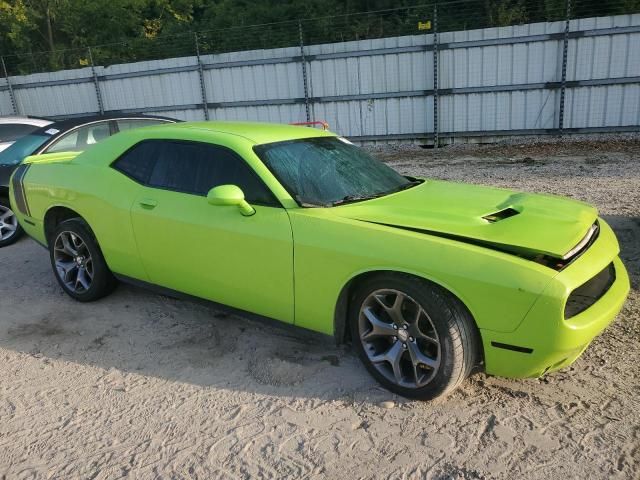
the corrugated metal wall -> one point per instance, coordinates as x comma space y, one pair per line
492, 81
604, 57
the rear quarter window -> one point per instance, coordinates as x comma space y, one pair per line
137, 163
130, 124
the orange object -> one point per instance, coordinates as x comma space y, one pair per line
325, 125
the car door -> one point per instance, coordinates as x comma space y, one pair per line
213, 252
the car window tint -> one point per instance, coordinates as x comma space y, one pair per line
130, 124
23, 147
66, 143
97, 132
138, 162
223, 167
10, 132
176, 167
80, 138
196, 168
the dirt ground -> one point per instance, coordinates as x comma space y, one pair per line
143, 386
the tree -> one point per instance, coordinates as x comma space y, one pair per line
54, 34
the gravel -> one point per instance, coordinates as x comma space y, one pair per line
144, 386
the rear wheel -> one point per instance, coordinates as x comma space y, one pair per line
414, 337
10, 229
78, 263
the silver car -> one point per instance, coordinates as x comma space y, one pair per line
12, 128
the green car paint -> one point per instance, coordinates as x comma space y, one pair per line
436, 206
297, 264
229, 195
58, 157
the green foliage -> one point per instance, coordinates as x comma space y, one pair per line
15, 26
41, 35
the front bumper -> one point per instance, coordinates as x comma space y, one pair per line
545, 341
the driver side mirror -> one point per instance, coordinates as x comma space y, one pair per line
229, 195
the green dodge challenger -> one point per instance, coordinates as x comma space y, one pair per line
429, 280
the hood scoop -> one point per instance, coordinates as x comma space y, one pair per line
501, 215
524, 223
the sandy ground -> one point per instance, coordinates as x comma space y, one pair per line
143, 386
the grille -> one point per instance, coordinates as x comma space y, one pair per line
590, 292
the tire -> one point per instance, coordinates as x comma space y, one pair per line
10, 229
77, 262
421, 359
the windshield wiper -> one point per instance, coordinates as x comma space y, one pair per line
412, 183
361, 198
303, 203
356, 198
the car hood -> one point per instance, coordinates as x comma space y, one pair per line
504, 219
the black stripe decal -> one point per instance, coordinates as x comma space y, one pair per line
450, 236
24, 193
513, 348
18, 189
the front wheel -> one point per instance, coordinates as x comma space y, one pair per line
414, 337
10, 229
78, 263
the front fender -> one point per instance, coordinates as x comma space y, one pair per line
497, 288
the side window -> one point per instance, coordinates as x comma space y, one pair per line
198, 167
193, 168
223, 167
10, 132
130, 124
81, 138
66, 143
96, 133
176, 167
138, 161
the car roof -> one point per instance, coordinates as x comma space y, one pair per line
15, 119
256, 132
66, 124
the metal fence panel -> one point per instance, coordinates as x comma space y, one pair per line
603, 57
149, 91
492, 80
391, 74
501, 65
267, 81
54, 93
189, 115
5, 99
266, 113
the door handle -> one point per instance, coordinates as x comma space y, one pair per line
148, 203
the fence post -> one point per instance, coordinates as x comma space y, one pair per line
436, 54
203, 88
563, 79
304, 72
12, 95
96, 83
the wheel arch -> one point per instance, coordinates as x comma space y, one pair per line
54, 216
340, 326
